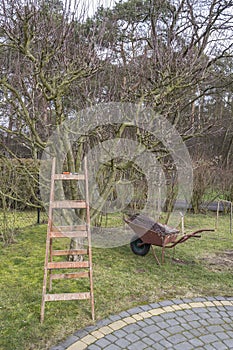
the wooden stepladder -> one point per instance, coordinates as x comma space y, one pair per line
80, 269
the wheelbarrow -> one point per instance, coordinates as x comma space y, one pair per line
149, 233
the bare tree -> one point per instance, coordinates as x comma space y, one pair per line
44, 52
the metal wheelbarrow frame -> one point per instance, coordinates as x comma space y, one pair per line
149, 233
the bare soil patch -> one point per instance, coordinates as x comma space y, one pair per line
220, 261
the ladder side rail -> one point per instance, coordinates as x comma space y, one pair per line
48, 239
88, 222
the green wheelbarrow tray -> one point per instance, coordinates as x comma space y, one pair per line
149, 233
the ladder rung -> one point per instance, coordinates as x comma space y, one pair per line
70, 228
69, 204
67, 296
69, 252
67, 264
72, 234
82, 274
69, 177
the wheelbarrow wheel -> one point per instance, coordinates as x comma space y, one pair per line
138, 247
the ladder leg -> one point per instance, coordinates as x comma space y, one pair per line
45, 277
48, 243
88, 221
92, 295
51, 258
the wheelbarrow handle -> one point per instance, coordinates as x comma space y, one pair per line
186, 237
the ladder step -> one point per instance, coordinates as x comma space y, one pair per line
83, 274
68, 264
69, 177
69, 228
67, 296
69, 252
72, 234
68, 204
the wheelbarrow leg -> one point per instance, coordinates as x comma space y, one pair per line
155, 256
163, 253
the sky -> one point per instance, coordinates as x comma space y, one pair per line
92, 5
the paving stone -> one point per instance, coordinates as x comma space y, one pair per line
123, 343
189, 311
140, 334
196, 332
191, 317
148, 341
145, 307
166, 303
186, 326
139, 345
222, 335
115, 318
93, 347
227, 327
214, 313
178, 301
181, 313
195, 324
172, 322
57, 347
168, 315
230, 333
111, 338
157, 319
90, 328
166, 344
81, 333
120, 333
112, 347
102, 323
156, 337
102, 343
208, 347
164, 333
154, 305
163, 325
183, 346
70, 340
196, 342
156, 346
217, 320
199, 310
227, 320
203, 331
131, 328
211, 298
229, 343
187, 335
124, 314
149, 321
132, 337
151, 329
199, 299
175, 329
205, 316
220, 298
135, 310
176, 339
214, 329
209, 338
219, 346
187, 301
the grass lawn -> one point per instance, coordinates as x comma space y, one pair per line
203, 267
